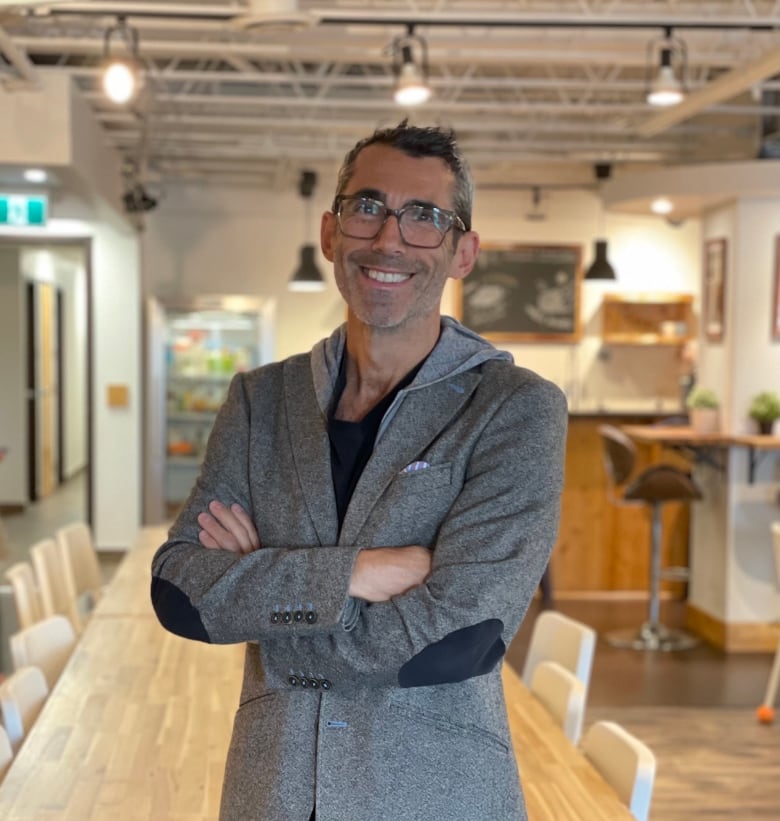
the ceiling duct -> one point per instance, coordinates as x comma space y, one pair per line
273, 14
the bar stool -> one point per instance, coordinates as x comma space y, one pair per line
653, 487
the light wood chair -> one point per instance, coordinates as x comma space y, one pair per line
22, 696
625, 762
24, 589
559, 638
81, 565
46, 645
6, 753
562, 694
56, 596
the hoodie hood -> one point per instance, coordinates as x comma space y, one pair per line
458, 349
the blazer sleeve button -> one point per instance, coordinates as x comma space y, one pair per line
276, 617
311, 616
292, 681
298, 615
287, 617
325, 684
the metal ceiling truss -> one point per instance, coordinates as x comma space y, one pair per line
550, 85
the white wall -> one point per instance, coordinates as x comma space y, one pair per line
731, 546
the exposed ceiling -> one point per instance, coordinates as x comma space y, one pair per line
539, 91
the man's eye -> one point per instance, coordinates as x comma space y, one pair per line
368, 208
420, 214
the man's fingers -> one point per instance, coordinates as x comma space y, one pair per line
248, 525
233, 526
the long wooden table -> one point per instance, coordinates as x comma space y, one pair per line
137, 727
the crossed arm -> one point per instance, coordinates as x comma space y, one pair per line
377, 575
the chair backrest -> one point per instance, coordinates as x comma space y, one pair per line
619, 453
24, 588
560, 638
776, 545
563, 694
56, 595
6, 752
22, 696
46, 645
625, 762
80, 562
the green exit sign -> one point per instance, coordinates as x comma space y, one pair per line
19, 209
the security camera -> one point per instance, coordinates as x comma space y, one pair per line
137, 200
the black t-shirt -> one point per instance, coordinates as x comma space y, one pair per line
351, 443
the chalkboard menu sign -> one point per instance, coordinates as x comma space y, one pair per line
524, 293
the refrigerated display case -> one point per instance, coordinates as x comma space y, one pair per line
194, 350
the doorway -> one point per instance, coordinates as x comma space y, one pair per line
52, 441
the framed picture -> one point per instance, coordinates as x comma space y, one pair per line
524, 293
714, 289
776, 294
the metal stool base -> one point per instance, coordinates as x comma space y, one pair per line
651, 637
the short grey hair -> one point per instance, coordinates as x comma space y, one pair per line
418, 141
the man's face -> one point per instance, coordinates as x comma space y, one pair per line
386, 283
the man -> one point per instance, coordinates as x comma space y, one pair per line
373, 518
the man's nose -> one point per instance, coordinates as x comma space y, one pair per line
389, 235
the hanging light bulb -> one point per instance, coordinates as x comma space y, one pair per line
121, 78
667, 87
411, 83
120, 81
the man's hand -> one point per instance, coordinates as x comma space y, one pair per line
228, 528
384, 572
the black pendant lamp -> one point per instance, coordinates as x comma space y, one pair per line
307, 276
600, 267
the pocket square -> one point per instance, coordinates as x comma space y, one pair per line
413, 467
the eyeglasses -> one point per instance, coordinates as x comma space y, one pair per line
421, 226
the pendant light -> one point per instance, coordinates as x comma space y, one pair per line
410, 67
667, 88
307, 276
121, 77
600, 268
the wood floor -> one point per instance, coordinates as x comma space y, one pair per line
695, 710
713, 763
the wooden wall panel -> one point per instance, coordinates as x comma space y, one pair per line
603, 546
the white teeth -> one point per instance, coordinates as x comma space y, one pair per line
385, 276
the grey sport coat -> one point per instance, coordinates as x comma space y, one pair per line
392, 710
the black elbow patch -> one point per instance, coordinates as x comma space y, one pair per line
176, 612
460, 655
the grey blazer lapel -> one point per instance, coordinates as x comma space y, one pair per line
422, 415
307, 429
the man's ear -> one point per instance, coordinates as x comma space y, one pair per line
328, 228
465, 257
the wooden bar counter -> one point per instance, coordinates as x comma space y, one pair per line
138, 725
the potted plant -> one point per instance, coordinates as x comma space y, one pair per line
765, 408
704, 405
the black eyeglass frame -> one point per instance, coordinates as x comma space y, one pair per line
455, 222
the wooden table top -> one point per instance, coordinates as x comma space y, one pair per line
128, 593
138, 725
686, 435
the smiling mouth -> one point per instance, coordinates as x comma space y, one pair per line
389, 277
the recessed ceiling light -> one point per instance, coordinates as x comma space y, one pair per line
662, 206
35, 175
